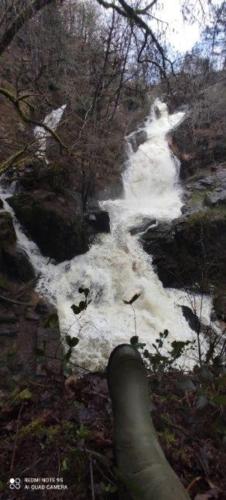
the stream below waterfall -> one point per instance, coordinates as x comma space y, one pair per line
116, 268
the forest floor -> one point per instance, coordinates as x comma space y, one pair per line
60, 430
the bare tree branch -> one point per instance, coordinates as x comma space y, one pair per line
17, 23
134, 16
16, 102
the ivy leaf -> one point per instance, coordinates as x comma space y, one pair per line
84, 290
71, 341
82, 305
77, 309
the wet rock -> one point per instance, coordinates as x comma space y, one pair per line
219, 303
191, 318
99, 220
208, 181
54, 222
143, 226
14, 262
136, 139
7, 232
190, 250
111, 192
215, 199
7, 317
18, 265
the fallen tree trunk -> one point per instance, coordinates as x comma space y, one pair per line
142, 464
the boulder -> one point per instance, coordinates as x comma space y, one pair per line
35, 174
219, 303
144, 225
192, 319
190, 250
99, 221
215, 199
14, 262
137, 138
54, 222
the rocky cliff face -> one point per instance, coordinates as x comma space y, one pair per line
27, 322
54, 222
53, 214
191, 250
14, 263
199, 142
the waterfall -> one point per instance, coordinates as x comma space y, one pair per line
51, 120
116, 268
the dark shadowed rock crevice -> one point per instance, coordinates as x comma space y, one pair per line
27, 321
54, 222
189, 251
14, 263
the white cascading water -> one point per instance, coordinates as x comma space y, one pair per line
116, 267
51, 120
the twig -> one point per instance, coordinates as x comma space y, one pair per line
16, 438
193, 482
91, 477
31, 466
6, 299
16, 102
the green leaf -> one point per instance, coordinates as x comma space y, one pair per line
24, 395
220, 400
65, 464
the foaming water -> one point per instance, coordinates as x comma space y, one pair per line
116, 268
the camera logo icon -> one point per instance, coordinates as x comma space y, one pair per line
15, 483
